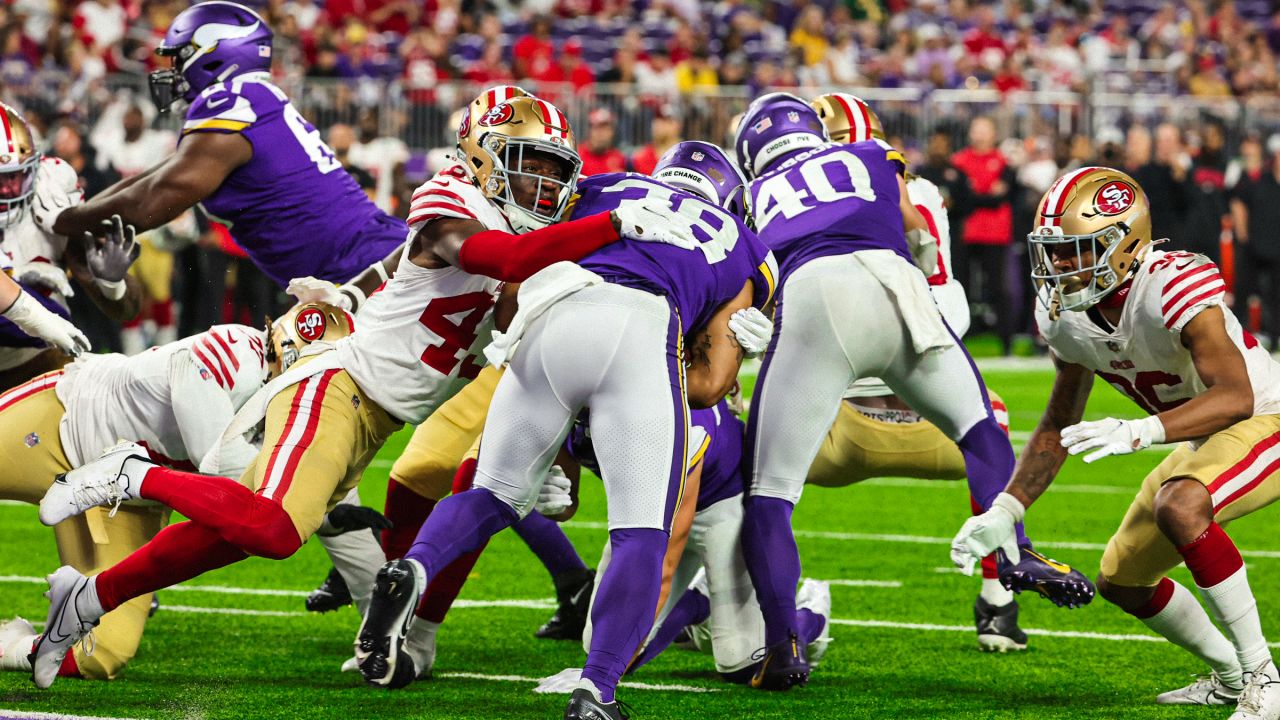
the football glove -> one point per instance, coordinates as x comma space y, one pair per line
1063, 585
983, 534
57, 188
110, 258
36, 320
345, 518
44, 275
310, 289
752, 329
654, 221
554, 497
924, 250
1112, 437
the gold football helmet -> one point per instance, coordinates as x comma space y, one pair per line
507, 136
304, 324
849, 119
484, 102
1100, 217
18, 163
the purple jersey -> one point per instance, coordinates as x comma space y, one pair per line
721, 454
830, 201
12, 337
696, 282
292, 207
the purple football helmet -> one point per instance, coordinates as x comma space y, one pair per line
706, 171
209, 43
776, 125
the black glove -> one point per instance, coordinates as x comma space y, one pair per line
349, 518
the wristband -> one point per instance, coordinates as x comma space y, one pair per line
356, 296
1011, 505
111, 289
1151, 428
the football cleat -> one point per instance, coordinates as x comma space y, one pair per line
573, 592
998, 629
331, 595
380, 643
1206, 690
782, 666
73, 614
17, 637
1063, 585
1260, 698
155, 605
815, 595
112, 479
584, 705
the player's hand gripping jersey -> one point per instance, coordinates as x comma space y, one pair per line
292, 207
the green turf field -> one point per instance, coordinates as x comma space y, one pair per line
904, 646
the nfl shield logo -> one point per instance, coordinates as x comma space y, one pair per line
793, 116
31, 440
698, 156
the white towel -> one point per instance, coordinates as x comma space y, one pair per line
542, 290
910, 290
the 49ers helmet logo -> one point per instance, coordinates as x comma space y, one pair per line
497, 115
310, 324
465, 126
1114, 198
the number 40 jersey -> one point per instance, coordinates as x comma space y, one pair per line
1144, 357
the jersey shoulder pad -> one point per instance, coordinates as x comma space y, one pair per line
765, 279
922, 191
232, 106
448, 194
892, 155
233, 356
1179, 285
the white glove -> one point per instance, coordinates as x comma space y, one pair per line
44, 275
36, 320
654, 221
982, 534
57, 188
309, 289
924, 250
752, 329
1110, 436
554, 497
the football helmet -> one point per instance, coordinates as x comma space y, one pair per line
706, 171
304, 324
1099, 216
494, 152
774, 126
848, 118
209, 43
19, 160
485, 102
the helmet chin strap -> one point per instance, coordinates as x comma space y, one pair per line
522, 221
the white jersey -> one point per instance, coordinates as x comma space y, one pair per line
1144, 358
22, 243
421, 338
947, 292
175, 399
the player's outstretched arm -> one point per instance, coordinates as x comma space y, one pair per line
1221, 366
201, 164
125, 299
1044, 454
714, 355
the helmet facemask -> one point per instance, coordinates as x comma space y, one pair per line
17, 184
1082, 287
530, 200
168, 85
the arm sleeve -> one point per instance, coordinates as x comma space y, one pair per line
203, 410
513, 258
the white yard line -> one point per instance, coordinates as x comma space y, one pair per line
27, 715
866, 583
534, 680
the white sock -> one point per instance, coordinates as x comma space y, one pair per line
1232, 604
88, 604
1184, 623
420, 643
995, 593
132, 341
584, 683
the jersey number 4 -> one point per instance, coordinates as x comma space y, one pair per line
455, 319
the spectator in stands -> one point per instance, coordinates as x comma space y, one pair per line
569, 68
1207, 80
988, 230
656, 78
101, 26
305, 12
939, 170
599, 153
1163, 179
533, 54
490, 68
1256, 208
810, 35
839, 67
695, 72
665, 133
383, 157
340, 138
1207, 192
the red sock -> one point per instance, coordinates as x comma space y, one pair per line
69, 667
407, 510
162, 313
447, 584
256, 524
989, 569
1159, 600
177, 553
1212, 557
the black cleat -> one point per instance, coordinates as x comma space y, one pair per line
380, 644
782, 666
584, 706
155, 605
573, 592
998, 629
331, 595
1063, 585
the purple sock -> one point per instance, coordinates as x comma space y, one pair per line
810, 624
625, 603
545, 538
692, 608
988, 463
772, 558
459, 524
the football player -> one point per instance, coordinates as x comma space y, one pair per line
853, 305
35, 320
39, 259
328, 415
875, 433
1154, 326
626, 308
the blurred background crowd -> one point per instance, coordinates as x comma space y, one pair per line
991, 100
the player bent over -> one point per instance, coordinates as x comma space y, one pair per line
1153, 325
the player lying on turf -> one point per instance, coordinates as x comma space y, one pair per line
1153, 325
327, 417
628, 369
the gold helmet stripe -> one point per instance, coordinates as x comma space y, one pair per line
1055, 200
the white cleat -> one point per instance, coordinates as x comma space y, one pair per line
73, 614
111, 479
351, 664
1260, 699
815, 595
17, 637
1206, 690
420, 645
